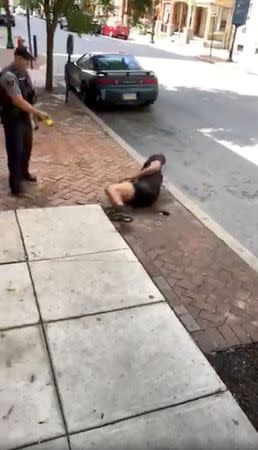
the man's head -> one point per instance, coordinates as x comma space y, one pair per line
22, 57
160, 157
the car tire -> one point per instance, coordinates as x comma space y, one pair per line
68, 85
61, 26
147, 104
87, 97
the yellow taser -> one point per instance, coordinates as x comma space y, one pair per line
49, 122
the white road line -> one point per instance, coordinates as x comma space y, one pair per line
249, 152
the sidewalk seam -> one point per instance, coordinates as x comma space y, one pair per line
77, 255
8, 263
82, 316
59, 436
217, 392
17, 327
43, 330
184, 200
109, 311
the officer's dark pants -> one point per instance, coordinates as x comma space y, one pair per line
18, 139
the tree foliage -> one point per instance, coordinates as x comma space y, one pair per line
137, 9
79, 14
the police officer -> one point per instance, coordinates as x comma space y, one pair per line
17, 97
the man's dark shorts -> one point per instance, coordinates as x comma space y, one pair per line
143, 196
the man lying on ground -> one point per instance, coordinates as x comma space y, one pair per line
141, 190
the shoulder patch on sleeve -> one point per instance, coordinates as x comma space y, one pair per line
10, 83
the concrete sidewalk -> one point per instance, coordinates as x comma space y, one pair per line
92, 356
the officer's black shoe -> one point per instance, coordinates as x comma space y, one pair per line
30, 178
17, 193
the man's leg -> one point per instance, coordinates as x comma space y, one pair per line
14, 149
27, 142
120, 195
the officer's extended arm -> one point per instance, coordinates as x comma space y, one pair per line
12, 88
21, 103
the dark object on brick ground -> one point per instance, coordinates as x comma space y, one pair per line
163, 212
238, 368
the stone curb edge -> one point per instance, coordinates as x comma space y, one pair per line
184, 200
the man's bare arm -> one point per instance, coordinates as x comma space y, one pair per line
153, 168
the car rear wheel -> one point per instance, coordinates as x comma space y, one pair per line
87, 96
68, 85
147, 104
67, 79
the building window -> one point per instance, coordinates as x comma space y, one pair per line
224, 19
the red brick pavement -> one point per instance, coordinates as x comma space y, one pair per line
214, 293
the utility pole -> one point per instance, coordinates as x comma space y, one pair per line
153, 13
230, 55
239, 18
125, 12
29, 31
9, 43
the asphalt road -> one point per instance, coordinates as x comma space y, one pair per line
205, 122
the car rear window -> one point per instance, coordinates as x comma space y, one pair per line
116, 62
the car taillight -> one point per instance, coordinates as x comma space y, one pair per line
149, 80
105, 81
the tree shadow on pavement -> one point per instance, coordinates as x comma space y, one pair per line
226, 115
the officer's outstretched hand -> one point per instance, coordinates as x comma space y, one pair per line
41, 116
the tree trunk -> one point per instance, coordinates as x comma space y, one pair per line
50, 49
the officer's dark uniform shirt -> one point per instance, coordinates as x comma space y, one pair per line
15, 83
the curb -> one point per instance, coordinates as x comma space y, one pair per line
185, 201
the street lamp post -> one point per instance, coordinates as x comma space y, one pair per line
9, 43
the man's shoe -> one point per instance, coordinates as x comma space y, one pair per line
120, 214
30, 178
